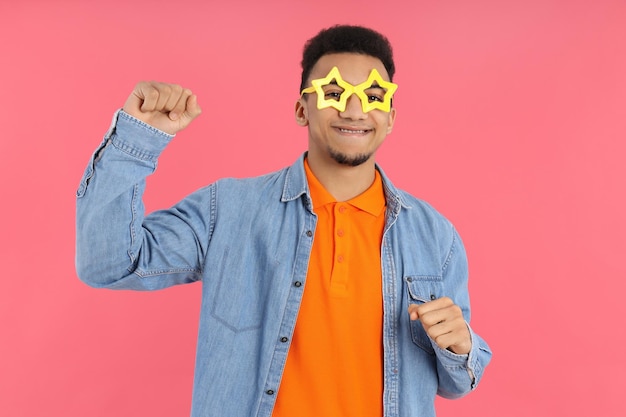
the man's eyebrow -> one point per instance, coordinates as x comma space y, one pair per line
375, 85
333, 83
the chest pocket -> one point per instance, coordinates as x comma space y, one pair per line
422, 289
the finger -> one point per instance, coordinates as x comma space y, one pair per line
166, 92
142, 99
445, 340
149, 96
192, 109
456, 338
172, 97
434, 305
439, 328
181, 104
447, 314
453, 331
413, 312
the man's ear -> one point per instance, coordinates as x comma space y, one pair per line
301, 112
391, 120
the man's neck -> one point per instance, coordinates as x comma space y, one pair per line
342, 181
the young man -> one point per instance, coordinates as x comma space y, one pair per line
326, 290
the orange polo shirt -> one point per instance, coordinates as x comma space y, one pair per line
335, 363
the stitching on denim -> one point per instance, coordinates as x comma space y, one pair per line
451, 252
218, 291
132, 151
91, 168
212, 215
84, 182
143, 124
286, 194
144, 274
393, 340
425, 278
133, 236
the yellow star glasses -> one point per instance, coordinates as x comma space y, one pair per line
333, 91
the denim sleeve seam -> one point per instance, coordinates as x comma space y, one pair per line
156, 272
133, 235
133, 151
212, 215
456, 367
451, 252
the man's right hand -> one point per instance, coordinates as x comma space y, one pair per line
167, 107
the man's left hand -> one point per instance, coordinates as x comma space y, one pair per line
444, 323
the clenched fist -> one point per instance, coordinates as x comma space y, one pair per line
443, 321
167, 107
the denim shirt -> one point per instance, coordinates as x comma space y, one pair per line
248, 241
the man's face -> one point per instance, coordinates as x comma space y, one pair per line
352, 136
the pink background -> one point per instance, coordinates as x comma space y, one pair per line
511, 121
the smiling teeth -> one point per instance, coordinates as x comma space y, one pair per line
352, 131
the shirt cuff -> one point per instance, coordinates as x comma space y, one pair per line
136, 137
467, 362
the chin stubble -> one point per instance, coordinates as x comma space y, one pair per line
352, 161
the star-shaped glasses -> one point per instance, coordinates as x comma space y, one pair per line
333, 91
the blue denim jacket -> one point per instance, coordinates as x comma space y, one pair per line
249, 241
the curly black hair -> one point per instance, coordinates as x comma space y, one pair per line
346, 38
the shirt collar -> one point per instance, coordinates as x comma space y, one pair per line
295, 186
371, 200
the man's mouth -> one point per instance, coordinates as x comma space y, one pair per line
354, 131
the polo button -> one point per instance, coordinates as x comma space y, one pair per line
342, 209
270, 392
340, 258
297, 284
284, 339
340, 233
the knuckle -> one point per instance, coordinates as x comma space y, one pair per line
151, 93
421, 310
457, 310
175, 90
426, 319
166, 89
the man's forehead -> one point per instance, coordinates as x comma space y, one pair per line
354, 68
374, 83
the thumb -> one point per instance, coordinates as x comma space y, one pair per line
413, 313
192, 110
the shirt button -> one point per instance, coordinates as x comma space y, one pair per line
340, 232
270, 392
297, 284
433, 296
342, 209
284, 339
309, 233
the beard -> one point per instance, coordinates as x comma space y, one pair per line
349, 160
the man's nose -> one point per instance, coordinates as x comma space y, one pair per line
354, 108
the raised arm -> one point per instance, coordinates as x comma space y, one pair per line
116, 247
